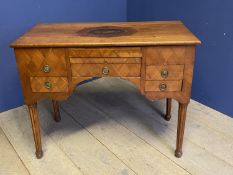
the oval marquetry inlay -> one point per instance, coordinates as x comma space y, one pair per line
106, 31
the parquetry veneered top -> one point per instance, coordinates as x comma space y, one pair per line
107, 34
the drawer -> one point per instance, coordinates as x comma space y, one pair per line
105, 60
49, 84
162, 55
99, 70
105, 52
46, 62
166, 72
166, 86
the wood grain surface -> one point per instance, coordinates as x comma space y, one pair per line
67, 35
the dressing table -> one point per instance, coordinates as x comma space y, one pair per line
157, 57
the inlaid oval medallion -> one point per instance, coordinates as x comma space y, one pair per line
106, 31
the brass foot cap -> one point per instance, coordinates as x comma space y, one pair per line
57, 119
39, 154
178, 154
167, 117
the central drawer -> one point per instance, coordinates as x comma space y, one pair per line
99, 67
99, 70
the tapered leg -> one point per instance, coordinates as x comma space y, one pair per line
168, 109
36, 129
180, 129
56, 111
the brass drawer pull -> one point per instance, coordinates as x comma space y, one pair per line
162, 86
48, 85
164, 73
46, 69
105, 70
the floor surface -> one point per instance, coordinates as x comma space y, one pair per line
108, 128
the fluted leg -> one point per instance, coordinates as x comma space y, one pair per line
180, 129
168, 109
56, 111
36, 129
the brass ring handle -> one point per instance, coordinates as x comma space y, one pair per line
46, 68
48, 85
105, 70
164, 73
162, 86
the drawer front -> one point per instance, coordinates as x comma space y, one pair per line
166, 86
46, 62
105, 52
162, 55
166, 72
105, 60
49, 84
99, 70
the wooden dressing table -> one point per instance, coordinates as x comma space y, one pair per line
158, 57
